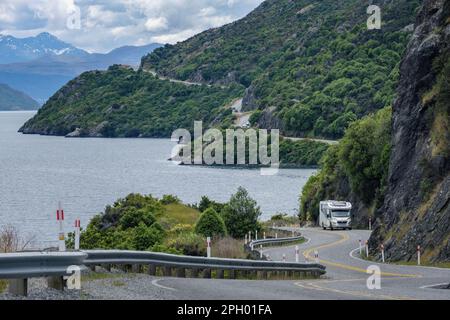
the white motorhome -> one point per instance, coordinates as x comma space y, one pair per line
335, 215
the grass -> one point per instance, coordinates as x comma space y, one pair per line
177, 213
228, 248
3, 285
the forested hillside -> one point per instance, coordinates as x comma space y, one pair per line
121, 102
311, 65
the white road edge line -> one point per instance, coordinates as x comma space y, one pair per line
433, 285
156, 284
351, 254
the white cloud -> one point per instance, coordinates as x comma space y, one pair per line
156, 24
107, 24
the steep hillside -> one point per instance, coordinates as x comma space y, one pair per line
417, 206
121, 102
397, 170
312, 66
11, 99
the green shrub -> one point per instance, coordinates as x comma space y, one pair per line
210, 224
190, 244
169, 199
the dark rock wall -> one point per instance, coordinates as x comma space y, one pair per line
417, 206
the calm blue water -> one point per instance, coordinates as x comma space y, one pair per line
87, 174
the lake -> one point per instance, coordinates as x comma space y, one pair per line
36, 172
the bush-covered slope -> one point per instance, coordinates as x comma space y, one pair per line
314, 61
121, 102
354, 170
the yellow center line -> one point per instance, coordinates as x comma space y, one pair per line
345, 237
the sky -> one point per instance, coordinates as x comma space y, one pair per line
102, 25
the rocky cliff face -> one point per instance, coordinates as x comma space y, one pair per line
417, 204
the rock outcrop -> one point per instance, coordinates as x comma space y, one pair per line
416, 210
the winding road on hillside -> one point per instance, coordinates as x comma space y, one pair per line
346, 277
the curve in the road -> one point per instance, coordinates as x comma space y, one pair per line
343, 238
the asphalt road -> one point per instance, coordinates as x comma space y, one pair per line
346, 277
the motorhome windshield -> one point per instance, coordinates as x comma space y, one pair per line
340, 213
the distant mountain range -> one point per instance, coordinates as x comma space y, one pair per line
42, 64
11, 99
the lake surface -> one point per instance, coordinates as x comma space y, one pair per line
87, 174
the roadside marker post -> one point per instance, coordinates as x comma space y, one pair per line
418, 255
264, 235
370, 223
297, 254
367, 249
276, 235
256, 234
77, 234
382, 252
208, 248
245, 239
360, 247
316, 256
261, 251
61, 236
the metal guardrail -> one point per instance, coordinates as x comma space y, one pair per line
20, 266
38, 264
272, 241
118, 257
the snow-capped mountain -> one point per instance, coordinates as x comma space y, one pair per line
13, 50
40, 65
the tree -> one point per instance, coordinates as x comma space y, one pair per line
206, 203
241, 214
210, 224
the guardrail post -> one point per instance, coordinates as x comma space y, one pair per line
18, 287
207, 273
194, 273
56, 282
107, 267
152, 270
220, 274
181, 272
136, 268
167, 271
